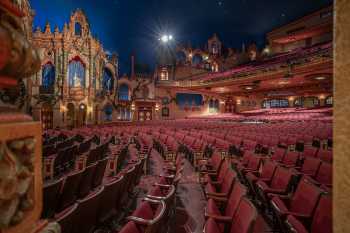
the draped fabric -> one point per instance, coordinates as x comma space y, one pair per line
188, 99
48, 75
107, 80
123, 92
76, 73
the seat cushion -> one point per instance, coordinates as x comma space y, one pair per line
144, 211
212, 208
130, 227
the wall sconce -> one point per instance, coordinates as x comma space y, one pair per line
157, 107
133, 107
63, 108
322, 97
238, 102
222, 102
291, 98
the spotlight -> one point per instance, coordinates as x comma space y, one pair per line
166, 38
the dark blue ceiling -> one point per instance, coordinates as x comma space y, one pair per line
133, 26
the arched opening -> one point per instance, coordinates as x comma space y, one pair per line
123, 92
107, 80
77, 29
108, 111
82, 112
47, 78
71, 115
46, 116
76, 73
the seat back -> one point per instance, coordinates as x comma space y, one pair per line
322, 220
268, 169
244, 218
238, 192
86, 180
223, 171
325, 155
70, 190
67, 219
109, 196
87, 212
99, 172
324, 174
130, 227
310, 152
305, 198
51, 193
278, 154
281, 178
228, 181
310, 166
254, 163
291, 158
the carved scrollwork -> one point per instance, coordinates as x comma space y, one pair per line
16, 180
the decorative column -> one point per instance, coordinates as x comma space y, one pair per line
20, 137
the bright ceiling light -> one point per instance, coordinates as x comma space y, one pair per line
166, 38
320, 78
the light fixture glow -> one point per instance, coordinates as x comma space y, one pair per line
166, 38
248, 88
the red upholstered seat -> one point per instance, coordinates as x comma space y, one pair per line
301, 204
242, 222
310, 152
325, 155
67, 218
290, 159
221, 188
215, 176
321, 221
265, 174
310, 166
252, 166
229, 206
131, 227
51, 194
278, 154
279, 184
323, 175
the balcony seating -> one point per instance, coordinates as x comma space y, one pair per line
242, 222
50, 198
301, 204
321, 221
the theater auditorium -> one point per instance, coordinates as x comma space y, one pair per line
213, 139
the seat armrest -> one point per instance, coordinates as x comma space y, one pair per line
167, 176
221, 219
218, 198
216, 194
138, 220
